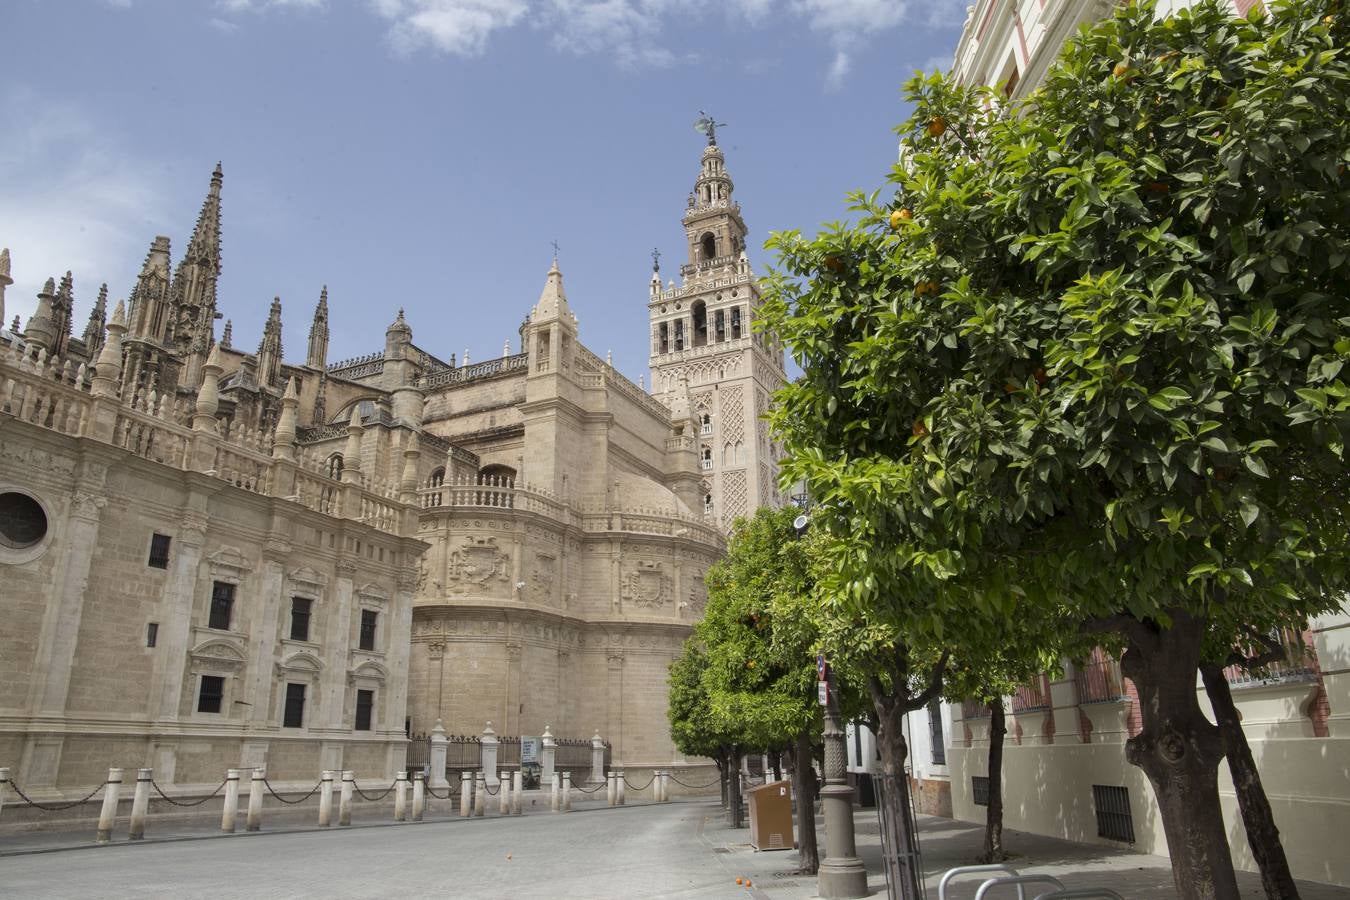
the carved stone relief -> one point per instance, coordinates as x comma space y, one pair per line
646, 584
476, 562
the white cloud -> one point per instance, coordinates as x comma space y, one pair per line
240, 6
223, 26
460, 27
834, 78
632, 33
73, 200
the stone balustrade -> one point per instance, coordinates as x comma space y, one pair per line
184, 434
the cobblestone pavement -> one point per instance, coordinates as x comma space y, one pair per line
673, 850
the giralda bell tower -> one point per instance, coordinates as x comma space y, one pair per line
702, 341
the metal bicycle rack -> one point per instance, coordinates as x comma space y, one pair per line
1082, 894
1017, 881
952, 874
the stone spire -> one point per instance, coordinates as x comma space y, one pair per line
150, 297
317, 356
93, 330
5, 281
269, 351
63, 307
191, 330
40, 332
227, 337
552, 300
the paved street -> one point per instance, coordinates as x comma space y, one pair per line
674, 850
653, 851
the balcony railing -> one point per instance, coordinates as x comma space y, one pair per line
974, 709
1035, 694
1299, 663
1099, 679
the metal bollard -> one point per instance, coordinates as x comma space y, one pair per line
400, 796
665, 787
231, 807
140, 803
345, 801
657, 784
611, 789
255, 799
419, 796
326, 798
479, 792
622, 784
504, 794
517, 786
567, 792
555, 793
465, 796
4, 784
107, 816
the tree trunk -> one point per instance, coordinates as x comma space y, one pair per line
993, 813
777, 765
1257, 817
804, 788
723, 777
734, 818
899, 849
1180, 750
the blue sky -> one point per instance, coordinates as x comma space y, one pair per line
424, 153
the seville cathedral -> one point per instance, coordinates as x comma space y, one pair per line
212, 558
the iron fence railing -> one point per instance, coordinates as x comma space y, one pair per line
1299, 663
974, 709
1098, 679
1035, 694
464, 753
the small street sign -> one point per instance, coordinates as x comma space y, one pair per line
823, 688
822, 667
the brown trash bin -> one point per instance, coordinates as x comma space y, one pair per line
771, 816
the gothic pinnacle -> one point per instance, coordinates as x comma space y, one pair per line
227, 335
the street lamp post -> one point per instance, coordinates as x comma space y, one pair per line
842, 873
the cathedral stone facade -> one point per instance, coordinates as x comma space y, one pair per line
215, 558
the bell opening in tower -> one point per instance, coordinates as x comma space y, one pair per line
700, 311
709, 245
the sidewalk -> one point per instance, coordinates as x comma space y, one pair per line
947, 843
204, 826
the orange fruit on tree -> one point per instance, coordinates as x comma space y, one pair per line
899, 217
937, 127
1120, 69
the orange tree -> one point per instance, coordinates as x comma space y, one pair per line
1085, 361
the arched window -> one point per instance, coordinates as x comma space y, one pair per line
706, 424
497, 475
720, 326
707, 458
707, 504
735, 322
708, 244
664, 331
437, 477
740, 450
335, 466
700, 313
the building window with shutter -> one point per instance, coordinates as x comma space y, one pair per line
294, 715
159, 551
369, 618
935, 730
210, 693
365, 705
300, 612
222, 605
